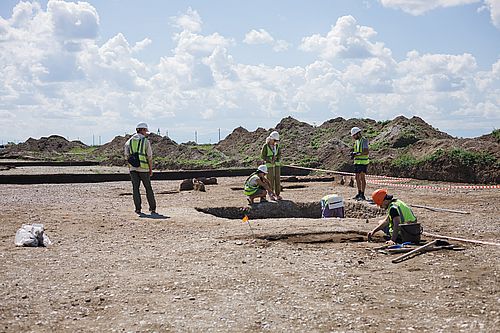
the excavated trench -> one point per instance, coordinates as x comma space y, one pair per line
350, 236
290, 209
63, 178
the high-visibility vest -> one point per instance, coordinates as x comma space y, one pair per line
358, 148
251, 189
139, 146
405, 214
270, 154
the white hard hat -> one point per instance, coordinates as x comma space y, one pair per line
355, 130
142, 125
262, 168
275, 136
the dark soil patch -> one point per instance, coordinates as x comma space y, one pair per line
289, 187
307, 179
318, 237
156, 193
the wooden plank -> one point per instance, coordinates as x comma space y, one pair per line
418, 249
460, 239
436, 209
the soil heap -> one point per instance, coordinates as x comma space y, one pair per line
400, 147
52, 147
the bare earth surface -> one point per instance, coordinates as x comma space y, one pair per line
110, 270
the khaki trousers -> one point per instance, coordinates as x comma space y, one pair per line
273, 175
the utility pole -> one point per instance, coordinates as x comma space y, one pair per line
219, 134
196, 137
93, 140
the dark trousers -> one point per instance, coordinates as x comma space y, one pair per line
137, 177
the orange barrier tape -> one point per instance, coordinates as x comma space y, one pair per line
437, 188
395, 181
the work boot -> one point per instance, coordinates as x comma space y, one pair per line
357, 196
362, 197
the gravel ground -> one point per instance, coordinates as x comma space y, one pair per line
185, 271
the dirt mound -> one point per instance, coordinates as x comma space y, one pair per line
457, 160
53, 145
400, 147
167, 154
402, 132
243, 146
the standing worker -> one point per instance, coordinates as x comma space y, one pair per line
271, 155
139, 156
361, 161
258, 186
397, 213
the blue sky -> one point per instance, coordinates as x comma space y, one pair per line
96, 68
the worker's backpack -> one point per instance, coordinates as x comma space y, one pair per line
133, 158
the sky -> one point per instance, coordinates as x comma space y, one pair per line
92, 70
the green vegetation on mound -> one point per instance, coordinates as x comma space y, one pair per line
496, 134
400, 147
458, 156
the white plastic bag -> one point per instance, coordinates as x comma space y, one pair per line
32, 235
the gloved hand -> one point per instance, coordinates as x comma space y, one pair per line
352, 154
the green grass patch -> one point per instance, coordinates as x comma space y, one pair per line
469, 158
370, 132
82, 150
309, 162
405, 161
496, 134
457, 155
186, 163
379, 145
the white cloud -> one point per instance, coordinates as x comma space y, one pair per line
191, 21
141, 45
261, 36
419, 7
494, 8
281, 45
73, 20
435, 72
48, 77
258, 37
346, 40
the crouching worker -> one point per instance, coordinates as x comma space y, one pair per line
258, 186
397, 213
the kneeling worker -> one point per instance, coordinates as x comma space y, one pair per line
258, 186
397, 213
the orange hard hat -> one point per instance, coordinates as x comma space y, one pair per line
378, 196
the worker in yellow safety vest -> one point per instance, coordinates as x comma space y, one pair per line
361, 161
271, 155
397, 213
258, 186
139, 156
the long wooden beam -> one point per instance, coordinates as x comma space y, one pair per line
460, 239
440, 209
